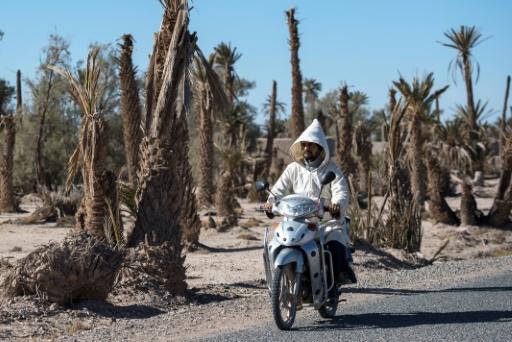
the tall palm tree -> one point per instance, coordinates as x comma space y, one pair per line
8, 126
311, 89
503, 121
205, 110
464, 41
130, 108
297, 117
273, 107
344, 135
419, 100
225, 59
91, 152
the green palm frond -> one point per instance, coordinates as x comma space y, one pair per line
464, 41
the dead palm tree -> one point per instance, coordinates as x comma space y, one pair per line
344, 135
205, 110
297, 117
130, 108
91, 152
464, 41
363, 151
419, 99
503, 121
8, 126
273, 107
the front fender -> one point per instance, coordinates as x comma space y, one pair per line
290, 255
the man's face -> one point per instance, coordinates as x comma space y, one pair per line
310, 150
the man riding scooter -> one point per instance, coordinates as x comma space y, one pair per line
303, 176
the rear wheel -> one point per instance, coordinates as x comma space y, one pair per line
285, 291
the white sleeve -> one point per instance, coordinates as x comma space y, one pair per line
340, 190
284, 185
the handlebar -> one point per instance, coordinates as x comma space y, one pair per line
271, 214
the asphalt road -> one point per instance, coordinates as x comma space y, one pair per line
474, 311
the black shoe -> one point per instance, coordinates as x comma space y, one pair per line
352, 275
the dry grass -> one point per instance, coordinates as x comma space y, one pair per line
251, 222
247, 236
76, 326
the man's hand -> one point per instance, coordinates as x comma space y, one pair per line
267, 207
334, 209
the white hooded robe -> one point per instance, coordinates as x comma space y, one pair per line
296, 179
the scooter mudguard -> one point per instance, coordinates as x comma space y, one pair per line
290, 255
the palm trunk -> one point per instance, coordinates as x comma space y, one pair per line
364, 152
130, 108
418, 166
499, 214
223, 201
93, 174
439, 209
7, 201
344, 149
297, 117
188, 219
477, 162
206, 151
468, 206
503, 122
270, 131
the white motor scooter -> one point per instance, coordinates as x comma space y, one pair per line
298, 266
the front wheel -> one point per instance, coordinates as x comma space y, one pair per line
285, 292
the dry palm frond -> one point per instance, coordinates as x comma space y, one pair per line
78, 268
86, 95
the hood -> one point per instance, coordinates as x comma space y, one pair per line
314, 133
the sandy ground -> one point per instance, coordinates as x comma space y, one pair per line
225, 276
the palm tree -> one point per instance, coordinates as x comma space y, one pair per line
499, 214
297, 117
363, 152
419, 100
204, 102
311, 89
503, 121
91, 152
130, 108
225, 59
7, 125
344, 135
161, 191
464, 41
273, 107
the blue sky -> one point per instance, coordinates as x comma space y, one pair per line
365, 43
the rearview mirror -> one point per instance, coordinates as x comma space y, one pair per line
327, 178
261, 185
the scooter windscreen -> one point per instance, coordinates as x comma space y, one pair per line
297, 206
